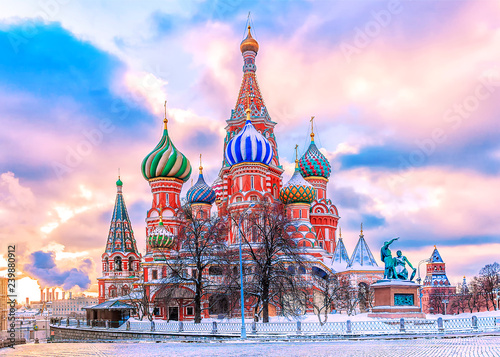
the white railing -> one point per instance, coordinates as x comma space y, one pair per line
373, 327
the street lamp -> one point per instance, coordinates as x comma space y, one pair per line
420, 294
242, 298
445, 302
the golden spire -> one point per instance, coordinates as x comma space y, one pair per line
312, 128
249, 43
361, 228
296, 156
435, 246
161, 217
165, 120
118, 173
201, 167
340, 232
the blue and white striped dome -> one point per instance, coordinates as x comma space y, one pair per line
249, 146
201, 192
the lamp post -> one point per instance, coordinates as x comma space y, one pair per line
242, 297
420, 294
445, 302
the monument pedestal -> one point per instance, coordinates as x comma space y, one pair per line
396, 299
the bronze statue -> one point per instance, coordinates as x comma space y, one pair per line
395, 268
400, 267
386, 256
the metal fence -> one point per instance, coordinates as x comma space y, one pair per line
373, 327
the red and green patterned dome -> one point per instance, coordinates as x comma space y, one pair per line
166, 161
314, 163
161, 238
297, 190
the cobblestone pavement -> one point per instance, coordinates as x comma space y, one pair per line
447, 347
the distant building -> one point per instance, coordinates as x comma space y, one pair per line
361, 269
72, 307
437, 290
4, 310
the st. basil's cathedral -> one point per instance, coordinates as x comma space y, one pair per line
251, 172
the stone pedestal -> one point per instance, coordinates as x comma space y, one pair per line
396, 299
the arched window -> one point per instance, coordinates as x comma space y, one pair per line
112, 291
118, 264
128, 244
131, 264
215, 270
125, 290
106, 264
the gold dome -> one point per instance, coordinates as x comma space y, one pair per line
249, 43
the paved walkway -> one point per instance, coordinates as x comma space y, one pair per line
484, 346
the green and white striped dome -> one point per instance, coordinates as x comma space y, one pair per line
166, 161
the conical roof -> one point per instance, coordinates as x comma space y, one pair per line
436, 257
362, 258
340, 256
121, 236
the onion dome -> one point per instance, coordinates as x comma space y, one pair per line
119, 182
218, 188
160, 237
297, 190
313, 162
165, 160
249, 146
201, 192
249, 43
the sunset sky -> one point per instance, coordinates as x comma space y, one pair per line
406, 97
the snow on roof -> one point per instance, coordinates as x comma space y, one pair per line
362, 258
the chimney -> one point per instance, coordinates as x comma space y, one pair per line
63, 295
41, 295
53, 293
57, 295
27, 301
70, 295
47, 294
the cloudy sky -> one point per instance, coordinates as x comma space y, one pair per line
406, 97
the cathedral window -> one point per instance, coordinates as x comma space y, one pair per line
106, 264
214, 270
253, 198
125, 290
118, 264
238, 199
155, 274
112, 291
128, 244
251, 178
131, 264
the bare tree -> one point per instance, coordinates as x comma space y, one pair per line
324, 292
489, 276
347, 297
269, 252
201, 246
